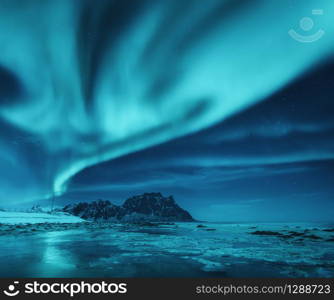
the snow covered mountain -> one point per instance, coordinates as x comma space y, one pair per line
15, 217
145, 207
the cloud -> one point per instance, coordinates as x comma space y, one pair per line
173, 178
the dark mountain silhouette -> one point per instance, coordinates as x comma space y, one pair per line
145, 207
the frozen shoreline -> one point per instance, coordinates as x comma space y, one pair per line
88, 249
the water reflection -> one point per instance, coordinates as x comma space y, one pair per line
184, 251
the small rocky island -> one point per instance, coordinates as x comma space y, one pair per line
148, 207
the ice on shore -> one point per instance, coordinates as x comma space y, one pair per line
90, 249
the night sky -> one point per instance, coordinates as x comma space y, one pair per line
119, 98
271, 162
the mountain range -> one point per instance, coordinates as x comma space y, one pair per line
145, 207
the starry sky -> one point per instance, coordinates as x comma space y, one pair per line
271, 162
213, 103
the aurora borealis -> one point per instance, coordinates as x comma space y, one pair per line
211, 101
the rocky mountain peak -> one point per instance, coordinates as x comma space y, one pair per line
145, 207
